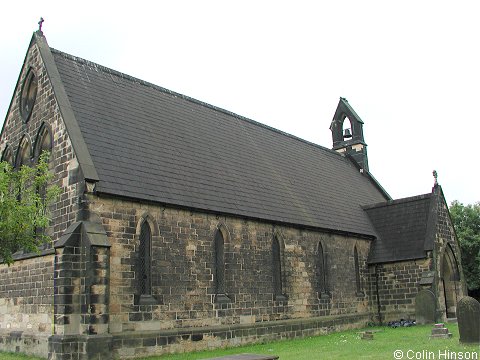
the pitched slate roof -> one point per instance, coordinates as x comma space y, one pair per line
403, 228
149, 143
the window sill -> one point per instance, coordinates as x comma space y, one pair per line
280, 298
222, 299
324, 295
145, 300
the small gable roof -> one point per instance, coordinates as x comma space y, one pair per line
345, 108
403, 228
152, 144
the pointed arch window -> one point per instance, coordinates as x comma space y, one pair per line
219, 266
43, 142
23, 153
278, 293
7, 155
219, 263
144, 260
143, 264
321, 271
28, 95
358, 282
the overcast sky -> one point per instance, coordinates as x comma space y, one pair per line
410, 69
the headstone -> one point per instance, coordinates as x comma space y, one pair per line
425, 307
440, 332
468, 318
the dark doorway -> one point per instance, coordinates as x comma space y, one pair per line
451, 282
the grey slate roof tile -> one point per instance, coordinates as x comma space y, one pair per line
151, 144
402, 228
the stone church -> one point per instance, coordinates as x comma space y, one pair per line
182, 226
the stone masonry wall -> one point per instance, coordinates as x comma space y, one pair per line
63, 164
135, 344
398, 284
63, 161
182, 270
445, 236
26, 303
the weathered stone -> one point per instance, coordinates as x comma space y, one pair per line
425, 304
440, 332
367, 335
468, 317
95, 288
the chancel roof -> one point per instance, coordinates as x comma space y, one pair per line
152, 144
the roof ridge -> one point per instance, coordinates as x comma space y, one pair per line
398, 201
188, 98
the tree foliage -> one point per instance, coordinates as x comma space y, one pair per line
25, 199
466, 220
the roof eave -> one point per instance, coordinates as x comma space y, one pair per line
395, 259
365, 236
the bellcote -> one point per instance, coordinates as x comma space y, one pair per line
347, 134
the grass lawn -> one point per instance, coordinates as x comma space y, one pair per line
348, 345
12, 356
413, 342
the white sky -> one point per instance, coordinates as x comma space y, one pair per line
410, 69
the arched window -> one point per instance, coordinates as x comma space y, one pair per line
23, 153
219, 263
142, 282
144, 260
7, 155
358, 283
29, 94
321, 270
220, 241
277, 270
43, 142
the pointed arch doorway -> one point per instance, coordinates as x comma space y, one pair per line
451, 282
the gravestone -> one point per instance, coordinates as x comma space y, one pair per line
440, 332
367, 335
425, 304
468, 317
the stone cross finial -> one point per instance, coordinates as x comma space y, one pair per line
435, 176
40, 23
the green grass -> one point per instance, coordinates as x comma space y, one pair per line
343, 345
13, 356
349, 345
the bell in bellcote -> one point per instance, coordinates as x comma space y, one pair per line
347, 134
